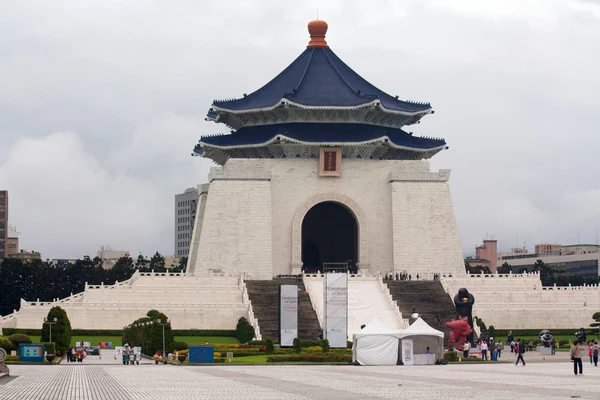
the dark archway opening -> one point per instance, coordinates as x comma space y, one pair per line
329, 234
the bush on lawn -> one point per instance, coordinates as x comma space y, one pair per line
563, 342
61, 330
270, 347
6, 344
451, 356
325, 345
219, 360
18, 338
244, 332
178, 346
147, 332
49, 347
313, 349
310, 358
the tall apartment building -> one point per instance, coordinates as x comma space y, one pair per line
3, 223
185, 214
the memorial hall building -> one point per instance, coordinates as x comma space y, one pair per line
317, 167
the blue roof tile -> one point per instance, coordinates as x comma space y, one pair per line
319, 78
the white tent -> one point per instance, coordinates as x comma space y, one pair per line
416, 338
376, 344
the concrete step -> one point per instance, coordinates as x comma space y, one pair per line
264, 296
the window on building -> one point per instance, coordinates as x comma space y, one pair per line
2, 214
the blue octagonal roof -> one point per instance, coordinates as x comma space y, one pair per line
318, 78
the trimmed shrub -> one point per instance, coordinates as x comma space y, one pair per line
61, 330
217, 354
325, 345
6, 344
313, 349
219, 360
147, 333
178, 346
297, 346
270, 347
310, 343
563, 342
244, 332
49, 347
348, 344
451, 356
18, 338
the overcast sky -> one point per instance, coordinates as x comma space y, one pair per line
101, 103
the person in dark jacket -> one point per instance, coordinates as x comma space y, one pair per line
520, 350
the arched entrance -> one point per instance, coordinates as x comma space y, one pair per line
329, 234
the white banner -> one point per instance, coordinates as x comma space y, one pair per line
288, 314
336, 309
407, 351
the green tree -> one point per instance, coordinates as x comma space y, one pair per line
505, 268
157, 263
147, 332
123, 269
244, 331
467, 267
61, 331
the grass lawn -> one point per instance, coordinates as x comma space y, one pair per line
203, 339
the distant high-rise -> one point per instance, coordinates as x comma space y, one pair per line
185, 214
3, 223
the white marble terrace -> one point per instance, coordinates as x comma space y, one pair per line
191, 301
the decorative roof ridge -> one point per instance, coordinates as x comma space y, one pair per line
343, 80
312, 52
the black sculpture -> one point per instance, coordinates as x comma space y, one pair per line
546, 338
581, 336
464, 308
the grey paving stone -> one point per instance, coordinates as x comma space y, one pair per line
550, 380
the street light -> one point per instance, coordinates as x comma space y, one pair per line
163, 324
46, 321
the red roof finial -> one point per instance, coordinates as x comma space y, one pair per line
317, 30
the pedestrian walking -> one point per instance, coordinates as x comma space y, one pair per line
576, 350
595, 353
484, 349
466, 348
499, 349
591, 352
520, 349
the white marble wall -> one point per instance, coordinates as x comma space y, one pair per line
521, 302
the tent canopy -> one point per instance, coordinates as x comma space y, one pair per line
421, 328
378, 328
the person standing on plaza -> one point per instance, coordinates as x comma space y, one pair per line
466, 348
520, 349
596, 348
590, 352
499, 348
484, 349
576, 350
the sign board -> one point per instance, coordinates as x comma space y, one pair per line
31, 352
407, 351
288, 314
119, 351
335, 308
330, 161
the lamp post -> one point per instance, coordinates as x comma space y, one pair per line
163, 324
54, 321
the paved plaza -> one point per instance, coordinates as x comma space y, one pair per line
100, 380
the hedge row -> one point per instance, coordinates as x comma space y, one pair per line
119, 332
310, 358
502, 333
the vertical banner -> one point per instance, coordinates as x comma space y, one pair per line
336, 309
407, 351
288, 314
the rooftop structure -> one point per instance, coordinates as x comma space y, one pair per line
318, 101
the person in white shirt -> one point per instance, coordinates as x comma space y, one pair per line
484, 349
466, 348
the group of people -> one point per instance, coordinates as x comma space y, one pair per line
75, 355
577, 348
404, 276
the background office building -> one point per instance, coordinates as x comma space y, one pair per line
185, 214
3, 223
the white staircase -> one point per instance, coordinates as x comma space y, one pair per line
367, 299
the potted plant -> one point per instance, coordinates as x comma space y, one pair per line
50, 351
181, 357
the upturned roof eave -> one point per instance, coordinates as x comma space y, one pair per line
286, 102
280, 137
